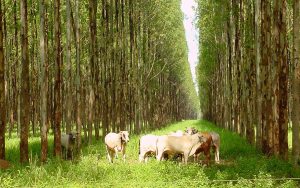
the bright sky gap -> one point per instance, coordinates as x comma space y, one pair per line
189, 8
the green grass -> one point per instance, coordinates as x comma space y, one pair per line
239, 161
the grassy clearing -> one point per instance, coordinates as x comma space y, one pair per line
240, 161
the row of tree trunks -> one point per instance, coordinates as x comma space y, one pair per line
119, 59
249, 73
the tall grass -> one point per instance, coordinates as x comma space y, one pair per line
239, 163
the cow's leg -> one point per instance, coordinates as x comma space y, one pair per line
116, 153
207, 155
124, 154
72, 154
109, 155
185, 157
217, 154
142, 156
62, 151
66, 153
112, 155
159, 155
196, 157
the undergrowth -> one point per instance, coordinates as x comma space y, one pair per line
241, 166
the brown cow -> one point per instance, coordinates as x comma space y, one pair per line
204, 147
215, 141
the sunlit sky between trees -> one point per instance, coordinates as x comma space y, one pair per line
189, 8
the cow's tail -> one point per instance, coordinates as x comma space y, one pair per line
139, 146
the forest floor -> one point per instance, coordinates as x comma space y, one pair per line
241, 166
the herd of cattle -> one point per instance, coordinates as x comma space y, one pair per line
181, 144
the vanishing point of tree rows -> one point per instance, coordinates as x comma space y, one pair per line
249, 71
91, 67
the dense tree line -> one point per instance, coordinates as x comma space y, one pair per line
91, 67
249, 70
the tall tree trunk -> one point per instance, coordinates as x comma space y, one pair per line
282, 63
258, 74
2, 91
25, 103
14, 73
266, 87
58, 80
93, 59
44, 85
78, 96
296, 82
69, 69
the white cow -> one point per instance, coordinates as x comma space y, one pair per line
186, 145
116, 142
68, 142
147, 147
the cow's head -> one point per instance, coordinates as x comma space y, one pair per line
124, 136
202, 137
73, 137
191, 130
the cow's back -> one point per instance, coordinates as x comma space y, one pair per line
112, 140
177, 144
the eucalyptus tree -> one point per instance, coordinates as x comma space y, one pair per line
25, 87
43, 83
2, 90
296, 81
58, 80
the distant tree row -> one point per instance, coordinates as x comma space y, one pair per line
91, 67
249, 71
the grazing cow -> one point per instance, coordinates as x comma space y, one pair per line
147, 147
215, 141
186, 145
116, 142
204, 147
4, 164
68, 142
